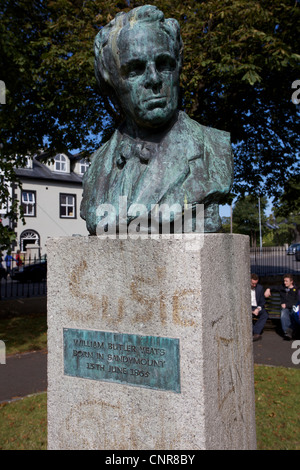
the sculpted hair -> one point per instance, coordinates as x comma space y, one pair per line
105, 45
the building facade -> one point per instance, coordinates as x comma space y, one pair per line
50, 196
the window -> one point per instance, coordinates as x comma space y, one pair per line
67, 206
83, 166
29, 203
60, 163
28, 162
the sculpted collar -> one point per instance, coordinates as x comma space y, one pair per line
134, 147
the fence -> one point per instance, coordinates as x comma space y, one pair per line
30, 279
27, 280
270, 261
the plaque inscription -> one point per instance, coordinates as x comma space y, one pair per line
142, 361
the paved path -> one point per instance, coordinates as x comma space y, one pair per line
22, 375
273, 350
26, 374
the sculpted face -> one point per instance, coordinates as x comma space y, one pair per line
148, 78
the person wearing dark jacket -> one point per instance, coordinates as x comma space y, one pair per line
258, 307
289, 298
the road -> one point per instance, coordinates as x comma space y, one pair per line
273, 350
272, 263
22, 375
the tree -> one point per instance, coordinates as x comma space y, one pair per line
47, 66
245, 217
282, 232
8, 203
241, 67
241, 59
46, 63
287, 210
289, 201
226, 225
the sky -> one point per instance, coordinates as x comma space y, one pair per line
225, 210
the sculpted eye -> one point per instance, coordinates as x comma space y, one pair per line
133, 69
165, 63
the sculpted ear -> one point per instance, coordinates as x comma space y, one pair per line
106, 76
101, 70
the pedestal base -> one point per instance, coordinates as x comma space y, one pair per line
150, 344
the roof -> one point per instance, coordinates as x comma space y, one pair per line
40, 171
46, 154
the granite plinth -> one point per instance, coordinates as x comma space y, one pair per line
121, 291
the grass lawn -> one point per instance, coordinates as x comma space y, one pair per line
23, 424
23, 333
277, 401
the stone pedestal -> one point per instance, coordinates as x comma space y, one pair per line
150, 344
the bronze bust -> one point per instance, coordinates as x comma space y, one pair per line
159, 156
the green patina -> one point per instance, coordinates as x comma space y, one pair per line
141, 361
159, 155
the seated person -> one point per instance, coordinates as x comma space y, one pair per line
258, 307
289, 298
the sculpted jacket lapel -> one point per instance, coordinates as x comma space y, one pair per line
191, 166
163, 179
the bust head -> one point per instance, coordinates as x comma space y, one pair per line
138, 58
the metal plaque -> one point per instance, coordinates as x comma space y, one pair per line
142, 361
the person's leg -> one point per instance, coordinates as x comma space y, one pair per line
254, 317
286, 323
260, 322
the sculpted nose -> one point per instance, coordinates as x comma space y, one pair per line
153, 77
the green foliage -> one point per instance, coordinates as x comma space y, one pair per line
7, 202
287, 213
284, 233
47, 66
289, 202
226, 225
7, 237
246, 216
240, 61
241, 58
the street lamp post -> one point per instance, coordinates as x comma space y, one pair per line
259, 216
